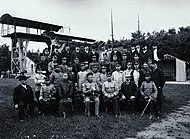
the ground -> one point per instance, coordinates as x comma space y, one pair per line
174, 121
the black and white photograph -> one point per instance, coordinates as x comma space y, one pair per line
95, 69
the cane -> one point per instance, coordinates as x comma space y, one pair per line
145, 108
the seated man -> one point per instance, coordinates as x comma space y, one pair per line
128, 92
47, 102
65, 94
149, 92
110, 91
90, 90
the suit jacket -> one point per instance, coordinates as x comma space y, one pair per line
65, 89
145, 56
74, 55
43, 65
118, 54
128, 90
85, 56
95, 54
67, 54
23, 95
158, 78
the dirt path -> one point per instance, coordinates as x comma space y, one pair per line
175, 125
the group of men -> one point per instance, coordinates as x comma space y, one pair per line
125, 80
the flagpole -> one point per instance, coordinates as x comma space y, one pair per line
138, 24
112, 28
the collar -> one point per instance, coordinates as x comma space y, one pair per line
24, 86
144, 51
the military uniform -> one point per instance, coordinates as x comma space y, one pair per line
47, 100
55, 78
81, 79
110, 91
90, 91
149, 89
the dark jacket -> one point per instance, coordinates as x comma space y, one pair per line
74, 55
58, 56
23, 95
85, 56
145, 56
158, 78
95, 54
67, 54
124, 65
65, 89
128, 90
42, 66
118, 54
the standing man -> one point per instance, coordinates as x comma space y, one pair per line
145, 54
23, 99
129, 69
94, 53
52, 64
76, 54
158, 78
64, 66
118, 76
117, 53
66, 53
42, 66
85, 55
38, 80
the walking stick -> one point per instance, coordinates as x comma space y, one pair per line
145, 108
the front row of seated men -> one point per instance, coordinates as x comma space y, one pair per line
53, 99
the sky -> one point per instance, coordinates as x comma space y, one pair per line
91, 18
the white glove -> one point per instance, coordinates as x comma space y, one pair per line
123, 97
93, 89
40, 98
16, 106
132, 97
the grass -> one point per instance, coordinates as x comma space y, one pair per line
77, 126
